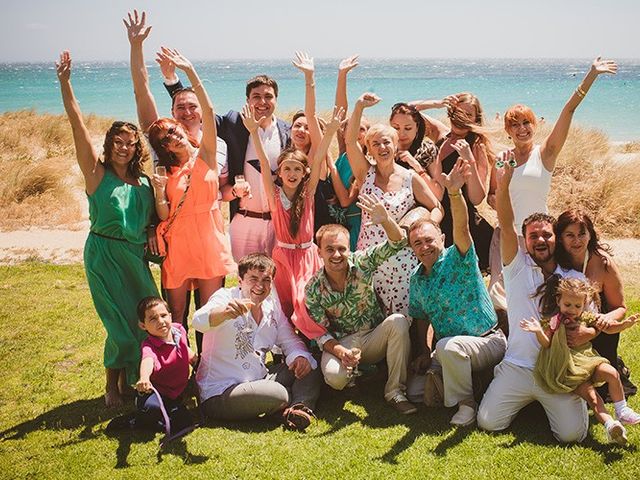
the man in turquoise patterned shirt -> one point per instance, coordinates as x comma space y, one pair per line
340, 297
447, 291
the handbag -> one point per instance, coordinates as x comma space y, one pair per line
161, 232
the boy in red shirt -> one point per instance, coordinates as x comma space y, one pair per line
166, 357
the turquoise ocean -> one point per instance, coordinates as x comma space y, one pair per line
612, 105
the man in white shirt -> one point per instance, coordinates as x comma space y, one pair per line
513, 386
240, 325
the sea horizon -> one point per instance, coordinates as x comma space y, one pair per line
104, 87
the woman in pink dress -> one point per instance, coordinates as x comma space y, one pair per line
292, 208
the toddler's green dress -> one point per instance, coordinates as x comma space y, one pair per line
560, 369
117, 274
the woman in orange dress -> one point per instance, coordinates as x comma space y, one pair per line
198, 253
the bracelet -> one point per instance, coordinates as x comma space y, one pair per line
454, 194
193, 87
579, 93
312, 84
580, 90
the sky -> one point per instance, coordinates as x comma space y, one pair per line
37, 30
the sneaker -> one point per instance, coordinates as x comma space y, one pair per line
402, 405
616, 433
628, 416
464, 417
297, 417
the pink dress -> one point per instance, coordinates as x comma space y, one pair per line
296, 260
197, 245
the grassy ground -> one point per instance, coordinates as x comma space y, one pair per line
52, 416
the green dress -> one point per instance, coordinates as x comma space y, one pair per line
118, 276
560, 369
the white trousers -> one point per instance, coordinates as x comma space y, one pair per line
514, 387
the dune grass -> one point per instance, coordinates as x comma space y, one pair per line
52, 419
41, 184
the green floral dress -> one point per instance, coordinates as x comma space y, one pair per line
118, 276
560, 369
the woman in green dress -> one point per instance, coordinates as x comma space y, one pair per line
121, 204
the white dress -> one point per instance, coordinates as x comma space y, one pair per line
391, 280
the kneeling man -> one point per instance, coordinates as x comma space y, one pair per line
447, 290
341, 299
240, 325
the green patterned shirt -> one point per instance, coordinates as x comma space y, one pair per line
357, 307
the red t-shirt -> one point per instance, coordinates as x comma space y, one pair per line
170, 362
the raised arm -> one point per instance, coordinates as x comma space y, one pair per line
555, 141
504, 209
92, 170
436, 130
424, 196
380, 216
304, 63
357, 160
208, 144
137, 31
320, 155
477, 180
346, 65
252, 123
454, 182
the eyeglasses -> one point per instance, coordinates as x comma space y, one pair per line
166, 139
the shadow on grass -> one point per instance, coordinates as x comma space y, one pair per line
533, 414
87, 415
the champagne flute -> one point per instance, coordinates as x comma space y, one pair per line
356, 353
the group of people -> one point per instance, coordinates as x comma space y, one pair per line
376, 254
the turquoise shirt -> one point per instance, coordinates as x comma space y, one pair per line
453, 296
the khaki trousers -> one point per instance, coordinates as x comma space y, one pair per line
390, 339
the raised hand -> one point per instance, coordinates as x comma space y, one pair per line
450, 101
304, 63
137, 31
463, 149
167, 67
600, 66
238, 307
63, 69
248, 115
369, 99
172, 55
503, 175
532, 325
457, 177
406, 157
348, 64
374, 207
337, 118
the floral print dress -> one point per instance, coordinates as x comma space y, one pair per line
391, 280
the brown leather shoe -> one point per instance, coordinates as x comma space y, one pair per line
402, 405
297, 417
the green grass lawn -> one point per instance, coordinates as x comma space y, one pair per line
52, 416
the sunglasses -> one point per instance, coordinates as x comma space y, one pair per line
167, 138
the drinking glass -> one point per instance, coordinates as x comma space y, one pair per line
161, 171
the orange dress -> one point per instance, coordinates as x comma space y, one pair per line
294, 266
197, 245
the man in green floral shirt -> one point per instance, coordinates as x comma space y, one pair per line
340, 297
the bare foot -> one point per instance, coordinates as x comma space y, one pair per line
113, 399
